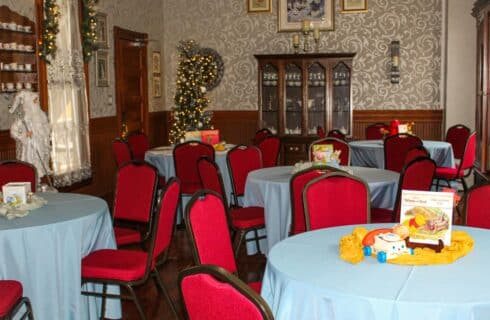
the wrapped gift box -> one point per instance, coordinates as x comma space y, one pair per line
16, 192
210, 136
192, 136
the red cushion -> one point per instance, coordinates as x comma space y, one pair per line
11, 292
126, 236
249, 217
123, 265
448, 173
255, 286
380, 215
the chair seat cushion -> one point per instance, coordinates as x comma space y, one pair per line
126, 236
248, 217
190, 188
448, 173
123, 265
255, 286
11, 292
380, 215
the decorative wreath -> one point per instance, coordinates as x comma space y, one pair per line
220, 67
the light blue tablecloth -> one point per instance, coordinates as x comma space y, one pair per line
44, 251
305, 279
269, 188
370, 153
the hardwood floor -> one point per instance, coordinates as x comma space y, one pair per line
155, 306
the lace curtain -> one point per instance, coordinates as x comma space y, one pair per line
68, 106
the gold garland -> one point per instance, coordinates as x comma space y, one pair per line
47, 44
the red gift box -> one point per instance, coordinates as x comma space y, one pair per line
210, 136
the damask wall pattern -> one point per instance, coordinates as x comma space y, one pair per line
225, 26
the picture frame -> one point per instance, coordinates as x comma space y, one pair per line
254, 6
353, 6
157, 87
101, 30
101, 71
291, 14
156, 62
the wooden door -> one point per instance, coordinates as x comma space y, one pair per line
130, 66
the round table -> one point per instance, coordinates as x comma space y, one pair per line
306, 279
44, 250
370, 153
269, 188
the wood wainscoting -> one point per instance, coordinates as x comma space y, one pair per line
7, 146
237, 127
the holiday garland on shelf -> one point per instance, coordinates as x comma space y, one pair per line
47, 44
199, 70
89, 23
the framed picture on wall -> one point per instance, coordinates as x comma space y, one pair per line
259, 5
101, 30
292, 13
101, 74
157, 86
156, 62
348, 6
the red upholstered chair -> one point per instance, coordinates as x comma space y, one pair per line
136, 186
457, 136
138, 144
130, 268
320, 132
11, 301
396, 148
335, 199
335, 133
241, 160
296, 186
416, 152
373, 131
416, 175
208, 229
261, 135
122, 152
270, 147
18, 171
463, 169
477, 206
338, 144
210, 292
243, 220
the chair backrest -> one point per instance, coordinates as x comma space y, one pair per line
457, 136
415, 152
210, 292
477, 206
335, 133
396, 148
416, 175
136, 187
469, 153
320, 132
138, 143
373, 131
211, 177
208, 228
261, 135
338, 144
121, 150
335, 199
296, 186
270, 147
241, 160
165, 217
18, 171
185, 163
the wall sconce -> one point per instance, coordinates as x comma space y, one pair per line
395, 61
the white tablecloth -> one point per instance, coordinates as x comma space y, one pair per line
269, 188
44, 251
305, 279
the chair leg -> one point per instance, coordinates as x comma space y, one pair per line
465, 186
161, 288
104, 292
437, 184
240, 235
136, 302
30, 314
257, 242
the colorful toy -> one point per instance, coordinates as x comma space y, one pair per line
386, 244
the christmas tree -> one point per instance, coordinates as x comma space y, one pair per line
197, 71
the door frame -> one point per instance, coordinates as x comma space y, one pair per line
141, 38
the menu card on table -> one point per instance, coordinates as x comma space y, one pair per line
428, 215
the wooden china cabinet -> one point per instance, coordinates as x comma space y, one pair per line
299, 92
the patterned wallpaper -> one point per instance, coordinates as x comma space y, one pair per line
225, 26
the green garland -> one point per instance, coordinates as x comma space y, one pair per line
47, 44
89, 23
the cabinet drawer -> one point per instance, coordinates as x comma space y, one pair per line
294, 148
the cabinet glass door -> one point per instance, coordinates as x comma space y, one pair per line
270, 99
341, 109
316, 98
294, 97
